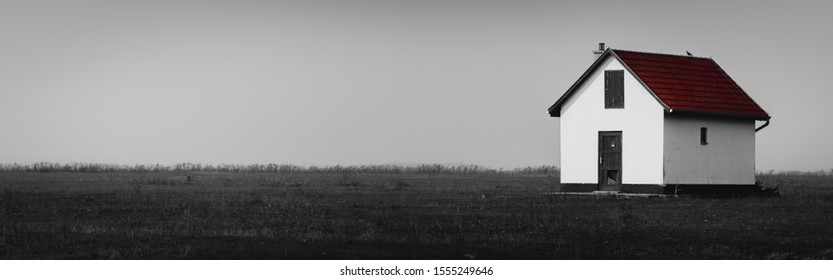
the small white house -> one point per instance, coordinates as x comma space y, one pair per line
656, 123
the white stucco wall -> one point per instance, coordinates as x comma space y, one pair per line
641, 122
728, 158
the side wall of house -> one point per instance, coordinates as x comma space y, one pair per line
583, 115
728, 158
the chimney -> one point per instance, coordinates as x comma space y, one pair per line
601, 50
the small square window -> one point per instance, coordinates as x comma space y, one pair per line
704, 140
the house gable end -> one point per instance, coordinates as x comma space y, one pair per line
555, 109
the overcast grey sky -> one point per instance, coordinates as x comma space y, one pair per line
374, 82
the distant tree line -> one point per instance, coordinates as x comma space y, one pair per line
48, 167
819, 172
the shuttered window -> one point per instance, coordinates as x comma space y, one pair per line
615, 89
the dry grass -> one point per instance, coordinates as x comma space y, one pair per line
359, 215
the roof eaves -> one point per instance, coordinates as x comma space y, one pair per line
721, 115
555, 110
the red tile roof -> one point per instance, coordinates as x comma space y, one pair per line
683, 84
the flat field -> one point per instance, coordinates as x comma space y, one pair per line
163, 215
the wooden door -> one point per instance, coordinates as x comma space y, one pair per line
610, 160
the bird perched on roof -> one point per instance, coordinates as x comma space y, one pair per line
689, 54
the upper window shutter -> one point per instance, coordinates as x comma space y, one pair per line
615, 89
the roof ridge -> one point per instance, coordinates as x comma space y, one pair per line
665, 54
